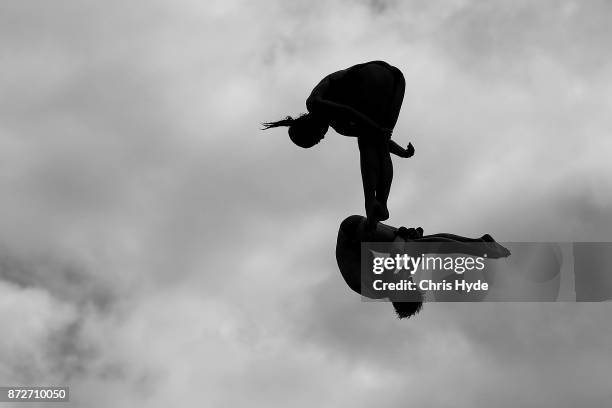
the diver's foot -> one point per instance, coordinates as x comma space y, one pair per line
375, 211
494, 249
487, 238
383, 211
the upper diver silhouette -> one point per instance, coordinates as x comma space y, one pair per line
361, 101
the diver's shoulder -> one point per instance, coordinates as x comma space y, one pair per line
350, 224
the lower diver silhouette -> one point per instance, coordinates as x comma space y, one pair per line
353, 231
361, 101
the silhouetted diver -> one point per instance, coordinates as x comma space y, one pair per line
353, 231
362, 101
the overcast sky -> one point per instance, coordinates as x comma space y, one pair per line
157, 249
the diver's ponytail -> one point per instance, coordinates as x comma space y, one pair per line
288, 121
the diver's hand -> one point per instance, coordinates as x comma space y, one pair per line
409, 151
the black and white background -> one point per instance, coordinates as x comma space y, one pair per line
157, 249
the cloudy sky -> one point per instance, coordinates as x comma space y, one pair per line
157, 248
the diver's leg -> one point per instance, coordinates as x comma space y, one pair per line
456, 238
385, 177
450, 243
370, 170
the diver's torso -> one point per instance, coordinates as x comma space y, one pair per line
371, 89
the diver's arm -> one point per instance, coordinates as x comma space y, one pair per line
356, 123
400, 151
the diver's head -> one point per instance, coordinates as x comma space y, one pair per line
305, 131
404, 310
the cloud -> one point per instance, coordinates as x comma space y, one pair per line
156, 247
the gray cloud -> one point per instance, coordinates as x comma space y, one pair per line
157, 248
